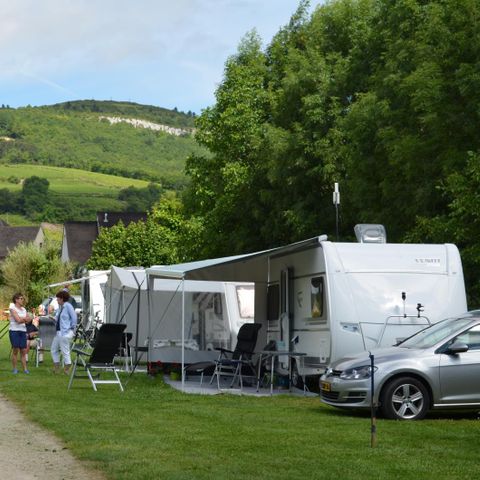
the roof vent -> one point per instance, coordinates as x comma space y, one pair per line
370, 233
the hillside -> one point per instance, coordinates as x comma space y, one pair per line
109, 137
72, 194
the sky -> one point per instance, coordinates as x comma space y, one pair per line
167, 53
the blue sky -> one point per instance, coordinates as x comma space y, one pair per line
168, 53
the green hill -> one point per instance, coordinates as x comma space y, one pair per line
74, 194
82, 135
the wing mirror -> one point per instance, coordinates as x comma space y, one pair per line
457, 347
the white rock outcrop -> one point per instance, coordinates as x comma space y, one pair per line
137, 123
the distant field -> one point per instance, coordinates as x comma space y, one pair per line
68, 180
79, 190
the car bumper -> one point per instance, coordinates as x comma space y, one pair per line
345, 393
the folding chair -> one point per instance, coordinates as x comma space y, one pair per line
238, 363
46, 334
101, 358
125, 352
246, 341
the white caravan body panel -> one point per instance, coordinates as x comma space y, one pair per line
337, 299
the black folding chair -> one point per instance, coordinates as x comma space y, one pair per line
101, 359
238, 363
230, 363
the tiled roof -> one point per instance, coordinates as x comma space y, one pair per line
79, 238
10, 237
108, 219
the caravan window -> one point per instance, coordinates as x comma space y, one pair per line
246, 301
316, 288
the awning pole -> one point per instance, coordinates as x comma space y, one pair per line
183, 333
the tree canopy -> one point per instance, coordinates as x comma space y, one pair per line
382, 97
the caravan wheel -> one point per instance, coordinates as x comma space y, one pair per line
297, 380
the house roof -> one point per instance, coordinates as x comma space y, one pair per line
109, 219
79, 238
10, 237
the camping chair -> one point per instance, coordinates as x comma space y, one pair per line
240, 357
102, 357
125, 351
238, 363
46, 333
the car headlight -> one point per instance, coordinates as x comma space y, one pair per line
357, 373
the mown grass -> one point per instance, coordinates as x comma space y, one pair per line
151, 431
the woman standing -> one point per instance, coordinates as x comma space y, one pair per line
66, 319
18, 331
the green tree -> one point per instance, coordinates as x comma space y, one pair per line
35, 196
29, 268
224, 188
164, 238
460, 224
140, 199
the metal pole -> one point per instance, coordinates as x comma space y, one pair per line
373, 413
183, 333
336, 202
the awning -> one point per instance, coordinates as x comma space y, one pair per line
75, 280
250, 267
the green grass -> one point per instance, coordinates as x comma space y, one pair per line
69, 181
151, 431
17, 220
84, 192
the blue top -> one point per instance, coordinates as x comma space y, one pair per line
68, 318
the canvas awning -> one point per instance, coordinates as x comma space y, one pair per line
250, 267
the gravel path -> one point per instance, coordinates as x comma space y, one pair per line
28, 452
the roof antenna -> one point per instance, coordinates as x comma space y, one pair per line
336, 202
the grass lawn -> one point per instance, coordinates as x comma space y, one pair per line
153, 432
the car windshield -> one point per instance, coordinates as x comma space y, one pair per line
436, 333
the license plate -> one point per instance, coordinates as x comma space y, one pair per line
326, 387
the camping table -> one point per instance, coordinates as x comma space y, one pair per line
275, 354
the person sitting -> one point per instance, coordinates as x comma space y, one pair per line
32, 334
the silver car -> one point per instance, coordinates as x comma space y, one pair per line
438, 367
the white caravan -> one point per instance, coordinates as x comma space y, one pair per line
328, 300
337, 299
92, 297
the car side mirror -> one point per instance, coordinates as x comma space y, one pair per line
457, 347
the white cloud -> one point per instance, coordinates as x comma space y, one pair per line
61, 43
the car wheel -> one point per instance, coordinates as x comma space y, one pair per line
405, 398
297, 380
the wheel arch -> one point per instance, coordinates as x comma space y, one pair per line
411, 374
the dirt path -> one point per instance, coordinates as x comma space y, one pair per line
47, 458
